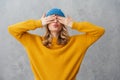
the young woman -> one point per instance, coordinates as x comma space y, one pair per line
56, 55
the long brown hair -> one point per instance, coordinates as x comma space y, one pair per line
62, 38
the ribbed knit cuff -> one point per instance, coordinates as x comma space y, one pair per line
38, 23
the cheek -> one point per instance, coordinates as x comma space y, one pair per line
60, 26
49, 26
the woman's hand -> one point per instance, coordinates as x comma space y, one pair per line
46, 20
66, 21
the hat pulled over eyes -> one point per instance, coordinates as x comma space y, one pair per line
55, 11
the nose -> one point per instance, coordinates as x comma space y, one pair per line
55, 20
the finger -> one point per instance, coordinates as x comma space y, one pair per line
50, 18
43, 16
59, 17
48, 22
61, 21
68, 16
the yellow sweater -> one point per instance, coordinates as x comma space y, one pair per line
60, 62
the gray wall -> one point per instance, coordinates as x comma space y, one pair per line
102, 61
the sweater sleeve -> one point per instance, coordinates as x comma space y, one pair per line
19, 30
92, 32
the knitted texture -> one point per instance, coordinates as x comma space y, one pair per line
55, 11
60, 62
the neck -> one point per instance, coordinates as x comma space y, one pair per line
54, 34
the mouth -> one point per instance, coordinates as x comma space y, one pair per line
55, 25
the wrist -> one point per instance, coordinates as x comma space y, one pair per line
39, 22
70, 24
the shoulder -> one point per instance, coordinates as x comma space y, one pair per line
34, 36
79, 36
78, 40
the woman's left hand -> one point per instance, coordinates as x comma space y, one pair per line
67, 21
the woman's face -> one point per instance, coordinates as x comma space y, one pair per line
55, 26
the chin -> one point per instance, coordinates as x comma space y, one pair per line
55, 30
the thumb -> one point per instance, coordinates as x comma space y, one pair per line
69, 17
44, 15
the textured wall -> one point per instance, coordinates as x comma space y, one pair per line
102, 61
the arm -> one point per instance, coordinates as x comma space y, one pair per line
92, 32
19, 30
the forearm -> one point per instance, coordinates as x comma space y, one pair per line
20, 28
88, 28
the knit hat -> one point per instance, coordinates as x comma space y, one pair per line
55, 11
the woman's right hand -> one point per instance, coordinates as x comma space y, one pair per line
46, 20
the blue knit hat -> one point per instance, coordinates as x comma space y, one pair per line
55, 11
